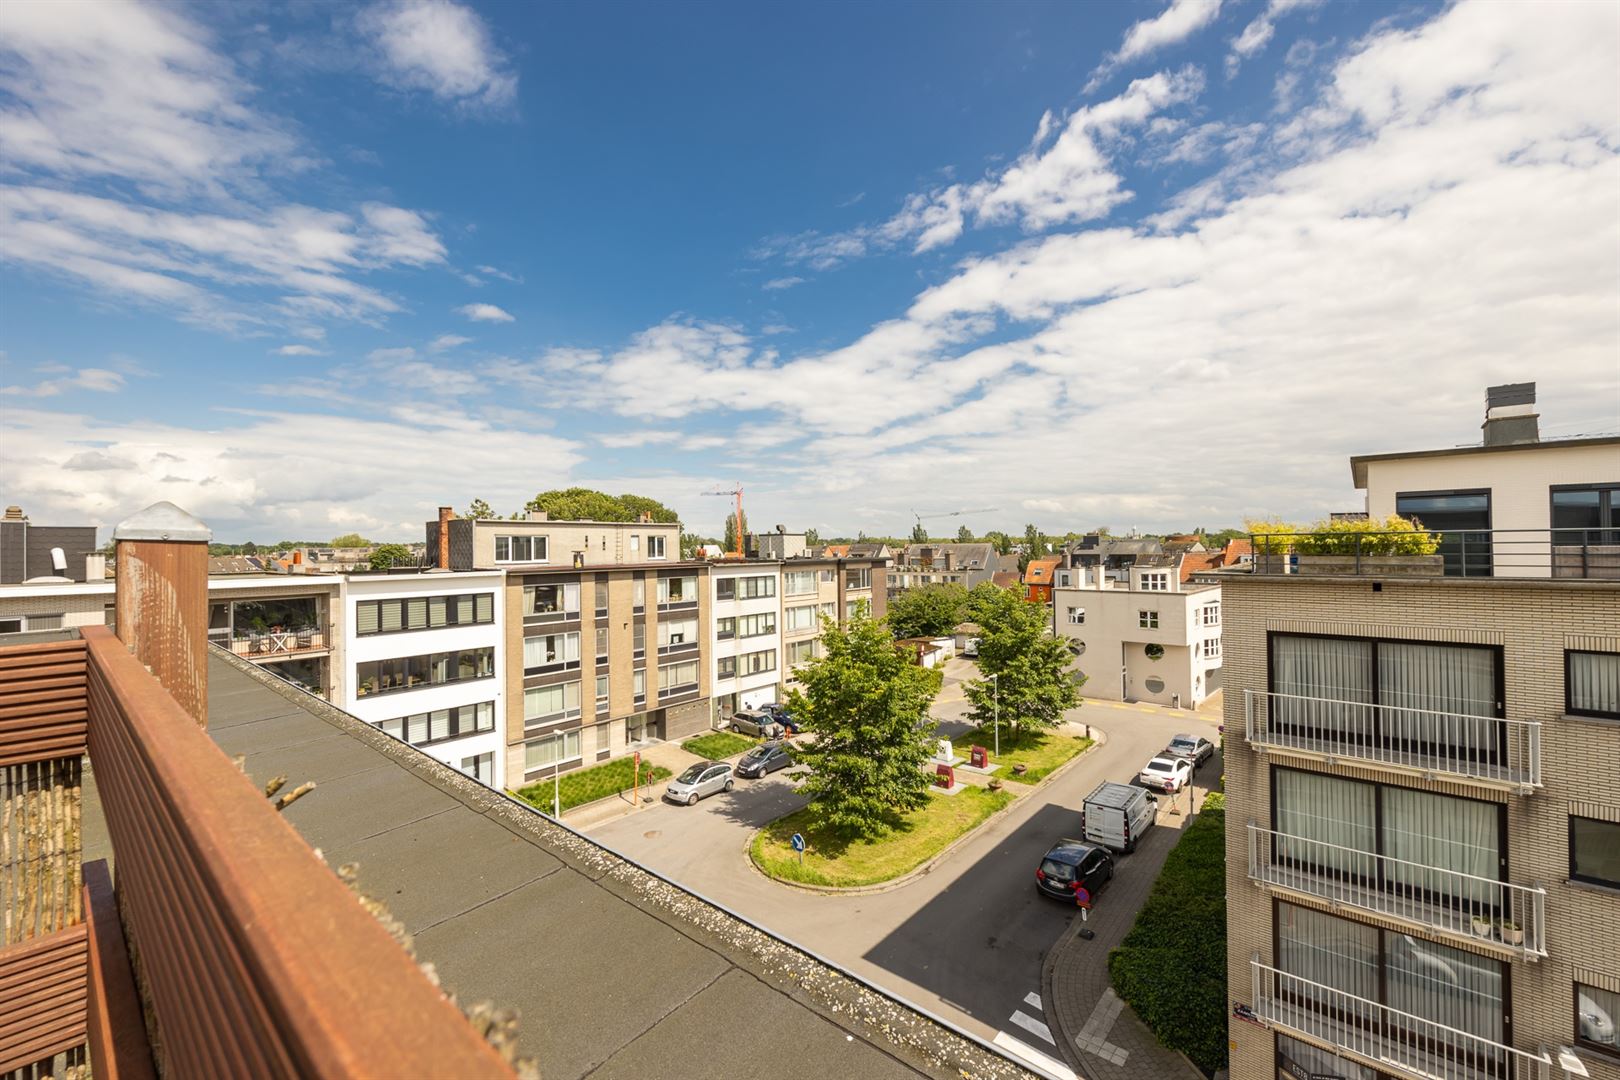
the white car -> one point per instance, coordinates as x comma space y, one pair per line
1168, 774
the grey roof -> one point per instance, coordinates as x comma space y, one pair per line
615, 971
974, 556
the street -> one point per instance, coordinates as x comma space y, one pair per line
965, 941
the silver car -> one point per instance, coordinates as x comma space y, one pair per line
704, 778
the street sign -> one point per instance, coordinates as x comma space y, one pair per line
798, 841
1082, 898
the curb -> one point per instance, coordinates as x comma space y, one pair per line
1067, 1047
928, 867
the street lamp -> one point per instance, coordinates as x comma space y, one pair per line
995, 685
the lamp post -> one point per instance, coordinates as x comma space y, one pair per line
995, 685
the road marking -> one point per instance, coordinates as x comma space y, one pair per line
1032, 999
1041, 1063
1033, 1026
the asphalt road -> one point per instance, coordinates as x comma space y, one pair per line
965, 941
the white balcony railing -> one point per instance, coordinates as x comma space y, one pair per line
1500, 752
1386, 1038
1445, 901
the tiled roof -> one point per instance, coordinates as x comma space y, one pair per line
1195, 561
1039, 571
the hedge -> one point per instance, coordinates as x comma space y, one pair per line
1171, 967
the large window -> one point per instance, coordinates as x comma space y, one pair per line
548, 704
520, 549
558, 601
1586, 515
428, 669
1463, 518
756, 625
725, 629
799, 652
673, 677
726, 667
677, 632
725, 588
1592, 683
422, 613
1597, 1018
800, 618
799, 582
756, 662
1594, 851
1444, 985
422, 729
858, 579
551, 750
550, 651
656, 547
677, 590
756, 588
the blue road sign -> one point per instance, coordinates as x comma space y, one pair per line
798, 841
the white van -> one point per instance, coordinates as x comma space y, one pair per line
1117, 815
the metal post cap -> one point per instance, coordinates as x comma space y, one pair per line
162, 521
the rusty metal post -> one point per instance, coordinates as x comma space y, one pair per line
162, 600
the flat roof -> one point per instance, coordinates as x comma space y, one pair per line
1358, 463
615, 971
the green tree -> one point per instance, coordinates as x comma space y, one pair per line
867, 704
964, 535
729, 542
479, 511
350, 540
812, 537
1032, 684
919, 535
1034, 546
929, 611
388, 555
1002, 542
587, 504
250, 548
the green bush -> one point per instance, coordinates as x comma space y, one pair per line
718, 745
1171, 967
1393, 535
587, 785
1215, 800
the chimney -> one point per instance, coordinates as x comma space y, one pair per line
539, 515
14, 513
161, 601
1510, 415
446, 515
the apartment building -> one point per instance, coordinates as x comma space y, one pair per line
1423, 779
424, 656
292, 626
1141, 633
746, 633
812, 590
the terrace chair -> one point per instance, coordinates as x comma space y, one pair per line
306, 636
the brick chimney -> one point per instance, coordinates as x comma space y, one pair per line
446, 515
1510, 415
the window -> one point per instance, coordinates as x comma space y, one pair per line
756, 588
725, 588
677, 676
1212, 648
1147, 620
677, 632
638, 682
755, 662
725, 629
799, 582
858, 579
558, 601
1463, 518
548, 704
638, 593
550, 650
800, 618
726, 667
542, 753
601, 589
1077, 616
802, 651
421, 729
638, 638
1594, 851
635, 544
521, 548
830, 611
655, 547
601, 693
601, 642
756, 625
829, 576
428, 669
1210, 615
1592, 684
1597, 1012
677, 590
422, 613
1590, 514
1063, 579
480, 768
1156, 582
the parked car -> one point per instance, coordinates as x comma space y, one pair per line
1167, 774
1116, 815
1071, 864
764, 759
1194, 747
704, 778
780, 714
753, 722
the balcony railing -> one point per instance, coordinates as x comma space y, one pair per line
1486, 749
273, 643
1592, 554
1443, 901
1386, 1038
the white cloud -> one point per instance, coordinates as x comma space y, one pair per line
391, 356
440, 47
298, 350
100, 380
776, 284
1175, 24
627, 439
445, 342
484, 313
1258, 33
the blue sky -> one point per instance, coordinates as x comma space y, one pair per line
312, 268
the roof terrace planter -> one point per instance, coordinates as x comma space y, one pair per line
1351, 565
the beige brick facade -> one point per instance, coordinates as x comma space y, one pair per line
1532, 623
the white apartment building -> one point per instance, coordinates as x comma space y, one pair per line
424, 658
745, 635
1141, 634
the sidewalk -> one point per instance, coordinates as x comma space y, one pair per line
667, 754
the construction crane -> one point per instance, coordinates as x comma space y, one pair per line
950, 514
735, 493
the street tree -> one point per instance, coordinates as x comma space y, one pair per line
1032, 686
929, 611
866, 702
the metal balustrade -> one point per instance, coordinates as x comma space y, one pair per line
1498, 751
1446, 901
1591, 554
1385, 1038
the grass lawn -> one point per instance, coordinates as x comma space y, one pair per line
1042, 751
587, 785
915, 839
718, 745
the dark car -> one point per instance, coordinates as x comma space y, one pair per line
1194, 747
752, 722
1070, 864
780, 714
763, 760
